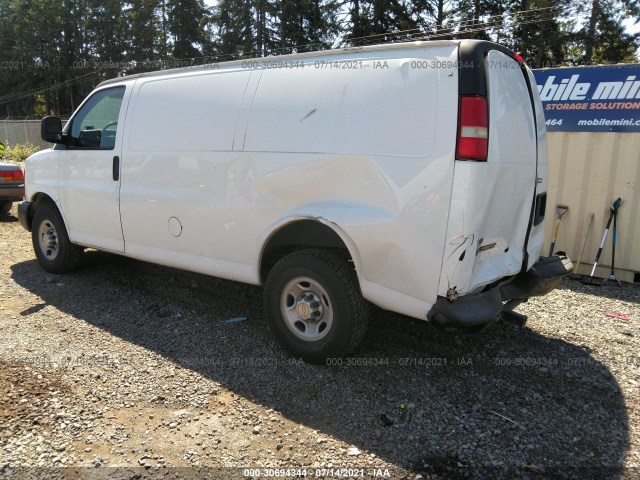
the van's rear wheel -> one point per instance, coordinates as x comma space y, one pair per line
53, 249
314, 305
5, 207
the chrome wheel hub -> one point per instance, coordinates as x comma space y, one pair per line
306, 309
48, 239
309, 307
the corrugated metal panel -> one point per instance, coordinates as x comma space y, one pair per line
587, 172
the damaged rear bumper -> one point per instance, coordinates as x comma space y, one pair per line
483, 307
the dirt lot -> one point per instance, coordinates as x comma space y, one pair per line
128, 370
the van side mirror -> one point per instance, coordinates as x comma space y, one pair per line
51, 130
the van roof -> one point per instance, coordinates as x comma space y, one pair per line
293, 56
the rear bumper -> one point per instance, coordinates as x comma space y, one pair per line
11, 193
480, 308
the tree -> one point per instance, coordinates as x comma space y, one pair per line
235, 22
538, 33
185, 24
375, 21
306, 24
603, 36
434, 16
46, 48
480, 19
106, 29
142, 43
262, 10
60, 49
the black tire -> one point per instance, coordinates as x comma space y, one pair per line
323, 286
53, 249
5, 207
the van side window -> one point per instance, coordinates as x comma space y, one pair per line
95, 124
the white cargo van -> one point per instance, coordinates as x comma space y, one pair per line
409, 176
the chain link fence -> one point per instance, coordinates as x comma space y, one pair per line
14, 132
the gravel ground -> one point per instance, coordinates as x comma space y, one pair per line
129, 370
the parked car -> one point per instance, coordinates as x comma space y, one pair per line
11, 186
409, 176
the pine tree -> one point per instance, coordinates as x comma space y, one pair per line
185, 23
603, 36
235, 33
539, 34
106, 30
435, 17
46, 48
375, 21
306, 24
480, 19
143, 34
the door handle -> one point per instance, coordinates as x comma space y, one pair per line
116, 168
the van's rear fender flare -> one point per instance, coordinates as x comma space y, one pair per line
347, 242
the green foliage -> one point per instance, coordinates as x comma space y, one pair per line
379, 19
19, 152
538, 34
235, 28
306, 24
603, 36
186, 21
143, 40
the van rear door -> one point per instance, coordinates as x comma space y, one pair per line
495, 171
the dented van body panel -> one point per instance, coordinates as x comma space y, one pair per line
492, 202
290, 154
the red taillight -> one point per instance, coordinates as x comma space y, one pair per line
473, 129
12, 176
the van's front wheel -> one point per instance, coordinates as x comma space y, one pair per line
314, 305
53, 249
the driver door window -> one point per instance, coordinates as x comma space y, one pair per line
94, 126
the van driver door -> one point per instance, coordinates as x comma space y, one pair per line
89, 186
